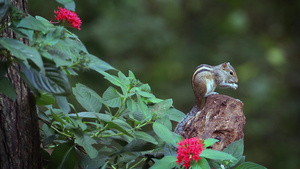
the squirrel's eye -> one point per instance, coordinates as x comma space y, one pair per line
231, 72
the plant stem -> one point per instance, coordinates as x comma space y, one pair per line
62, 133
143, 159
121, 133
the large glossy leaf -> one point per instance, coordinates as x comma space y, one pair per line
145, 136
54, 81
175, 114
138, 145
63, 103
120, 126
87, 98
63, 157
112, 97
45, 99
236, 148
23, 52
166, 162
209, 142
201, 164
69, 4
163, 132
143, 108
86, 142
98, 64
7, 88
44, 21
217, 155
60, 57
31, 22
4, 8
161, 107
87, 163
250, 165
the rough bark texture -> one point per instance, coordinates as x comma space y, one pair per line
221, 118
19, 131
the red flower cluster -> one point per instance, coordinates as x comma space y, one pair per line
188, 150
66, 16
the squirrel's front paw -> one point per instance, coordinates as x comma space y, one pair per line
211, 93
235, 86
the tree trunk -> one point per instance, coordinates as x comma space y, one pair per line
19, 130
222, 118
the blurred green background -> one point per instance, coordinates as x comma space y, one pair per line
162, 41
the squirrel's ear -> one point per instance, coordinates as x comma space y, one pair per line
225, 64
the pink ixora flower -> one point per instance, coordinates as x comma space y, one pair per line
68, 17
189, 149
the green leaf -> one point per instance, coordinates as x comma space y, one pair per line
112, 79
7, 88
216, 155
69, 4
86, 142
103, 117
89, 115
98, 64
23, 52
3, 68
56, 116
161, 107
54, 81
165, 121
250, 165
131, 75
145, 94
63, 103
209, 142
131, 105
163, 132
122, 123
236, 149
30, 22
167, 162
44, 21
175, 114
63, 157
138, 145
87, 98
45, 99
112, 97
143, 108
145, 136
201, 164
59, 56
119, 125
87, 163
5, 6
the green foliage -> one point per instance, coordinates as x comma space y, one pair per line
69, 4
111, 130
250, 165
201, 164
216, 155
4, 8
167, 162
6, 87
209, 142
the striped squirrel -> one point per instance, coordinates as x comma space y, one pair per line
204, 81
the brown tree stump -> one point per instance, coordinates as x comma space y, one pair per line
221, 118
